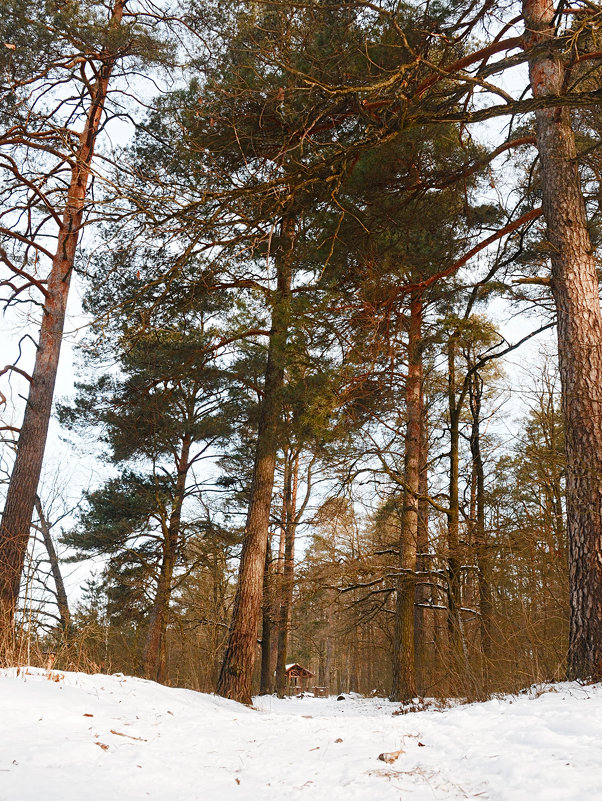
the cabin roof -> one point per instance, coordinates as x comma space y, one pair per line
295, 669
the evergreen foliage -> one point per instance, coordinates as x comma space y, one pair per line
294, 364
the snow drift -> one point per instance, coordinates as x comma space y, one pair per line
71, 736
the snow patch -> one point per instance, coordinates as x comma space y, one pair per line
68, 736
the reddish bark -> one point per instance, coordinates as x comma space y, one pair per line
21, 494
576, 294
237, 668
528, 217
422, 592
404, 679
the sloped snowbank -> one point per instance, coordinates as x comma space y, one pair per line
115, 738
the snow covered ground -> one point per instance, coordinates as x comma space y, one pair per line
114, 738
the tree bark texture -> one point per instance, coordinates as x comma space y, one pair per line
237, 667
25, 476
576, 294
404, 680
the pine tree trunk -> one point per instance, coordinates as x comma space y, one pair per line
454, 602
422, 563
576, 294
404, 681
237, 667
288, 577
279, 577
480, 535
25, 476
266, 681
155, 651
155, 646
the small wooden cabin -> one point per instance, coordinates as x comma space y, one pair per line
297, 679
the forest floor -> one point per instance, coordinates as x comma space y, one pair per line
74, 737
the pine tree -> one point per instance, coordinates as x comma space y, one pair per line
48, 148
160, 416
575, 289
